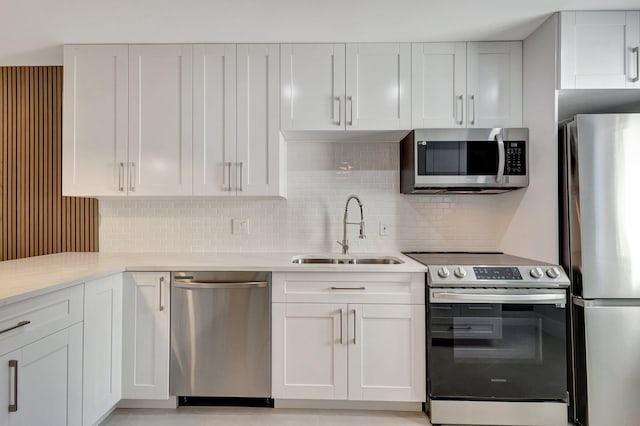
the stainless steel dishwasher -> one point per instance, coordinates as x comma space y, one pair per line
221, 338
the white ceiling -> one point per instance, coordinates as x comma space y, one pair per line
32, 31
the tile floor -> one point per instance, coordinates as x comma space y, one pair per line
223, 416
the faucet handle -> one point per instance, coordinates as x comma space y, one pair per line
362, 236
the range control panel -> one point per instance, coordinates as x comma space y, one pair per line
497, 276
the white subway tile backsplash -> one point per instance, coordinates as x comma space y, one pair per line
320, 178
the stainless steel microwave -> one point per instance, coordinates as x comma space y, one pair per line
464, 161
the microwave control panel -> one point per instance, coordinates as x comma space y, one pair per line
516, 161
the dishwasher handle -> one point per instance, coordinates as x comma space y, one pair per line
195, 285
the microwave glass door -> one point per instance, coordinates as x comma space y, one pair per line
497, 351
468, 158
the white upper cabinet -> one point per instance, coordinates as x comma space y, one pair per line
475, 84
260, 165
378, 86
214, 119
160, 122
95, 121
439, 84
599, 50
312, 86
494, 84
354, 86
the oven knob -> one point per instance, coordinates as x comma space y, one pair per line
460, 272
553, 272
443, 272
536, 273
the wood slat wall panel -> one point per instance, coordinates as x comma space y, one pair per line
35, 218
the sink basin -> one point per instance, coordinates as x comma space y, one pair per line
347, 260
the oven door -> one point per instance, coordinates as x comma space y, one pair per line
497, 344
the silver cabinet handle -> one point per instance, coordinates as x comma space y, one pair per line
501, 158
161, 304
13, 363
350, 120
121, 177
460, 103
195, 285
355, 327
132, 177
18, 325
336, 110
636, 52
228, 164
472, 115
341, 327
348, 288
240, 166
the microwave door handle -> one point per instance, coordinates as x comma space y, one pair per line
501, 158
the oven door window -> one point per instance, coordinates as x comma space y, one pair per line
497, 351
463, 158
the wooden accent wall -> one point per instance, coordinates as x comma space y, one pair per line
35, 218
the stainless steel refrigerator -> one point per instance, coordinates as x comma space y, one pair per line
600, 221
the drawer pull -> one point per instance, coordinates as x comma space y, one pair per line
459, 327
18, 325
14, 407
349, 288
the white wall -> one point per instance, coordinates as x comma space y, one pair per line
533, 228
321, 177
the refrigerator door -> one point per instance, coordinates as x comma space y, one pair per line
604, 197
611, 332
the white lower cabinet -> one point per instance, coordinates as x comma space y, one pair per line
102, 374
145, 348
354, 351
47, 375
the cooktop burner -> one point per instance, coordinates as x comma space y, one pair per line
488, 269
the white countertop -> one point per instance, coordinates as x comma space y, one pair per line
24, 278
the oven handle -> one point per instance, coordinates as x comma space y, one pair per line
539, 298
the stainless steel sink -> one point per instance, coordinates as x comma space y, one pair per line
347, 260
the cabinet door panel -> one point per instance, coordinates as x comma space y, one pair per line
439, 84
378, 86
387, 352
494, 84
160, 121
312, 86
214, 119
95, 120
145, 354
102, 373
309, 351
259, 151
597, 49
50, 380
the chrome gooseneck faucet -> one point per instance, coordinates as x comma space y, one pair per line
345, 243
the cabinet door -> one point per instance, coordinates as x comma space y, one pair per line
312, 86
160, 120
494, 84
214, 119
50, 380
102, 373
309, 352
95, 120
597, 50
387, 352
259, 152
145, 349
438, 84
378, 91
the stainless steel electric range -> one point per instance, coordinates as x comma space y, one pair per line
496, 339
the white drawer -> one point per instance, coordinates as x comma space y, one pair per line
39, 317
349, 287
